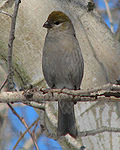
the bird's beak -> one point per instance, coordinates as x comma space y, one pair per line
47, 25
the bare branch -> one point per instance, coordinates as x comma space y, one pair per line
87, 133
25, 124
99, 130
3, 84
35, 122
28, 143
109, 15
10, 46
35, 105
5, 13
108, 92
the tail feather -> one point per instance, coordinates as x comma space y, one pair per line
66, 119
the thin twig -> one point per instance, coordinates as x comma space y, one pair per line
10, 46
35, 122
35, 128
97, 131
28, 142
5, 13
109, 15
35, 105
3, 84
25, 124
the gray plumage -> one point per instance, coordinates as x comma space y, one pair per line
63, 67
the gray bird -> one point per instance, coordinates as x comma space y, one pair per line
63, 66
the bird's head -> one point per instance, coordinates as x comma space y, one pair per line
57, 19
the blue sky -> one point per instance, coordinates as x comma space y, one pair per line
30, 116
101, 5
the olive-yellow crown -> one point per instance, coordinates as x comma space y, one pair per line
56, 17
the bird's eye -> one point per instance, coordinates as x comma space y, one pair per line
57, 23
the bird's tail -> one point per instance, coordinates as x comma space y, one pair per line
66, 119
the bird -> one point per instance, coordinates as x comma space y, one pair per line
63, 66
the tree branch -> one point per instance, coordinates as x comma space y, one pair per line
109, 15
5, 13
108, 92
27, 130
99, 130
25, 124
3, 84
35, 105
10, 46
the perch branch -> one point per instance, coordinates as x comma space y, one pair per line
108, 92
